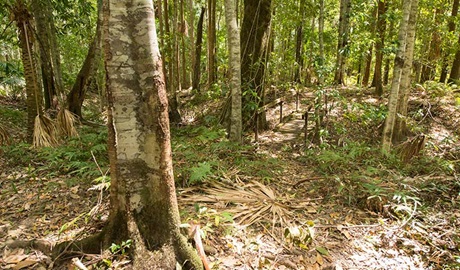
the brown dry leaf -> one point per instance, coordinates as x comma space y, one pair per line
319, 259
344, 232
14, 256
24, 264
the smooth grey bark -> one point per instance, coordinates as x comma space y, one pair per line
234, 65
396, 81
400, 124
143, 198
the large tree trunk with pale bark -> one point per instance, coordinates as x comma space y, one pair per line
234, 65
400, 129
143, 198
399, 75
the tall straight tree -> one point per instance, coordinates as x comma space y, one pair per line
142, 194
409, 17
87, 72
234, 55
368, 56
23, 19
211, 42
299, 43
254, 43
197, 61
49, 52
451, 27
379, 46
434, 53
345, 9
400, 129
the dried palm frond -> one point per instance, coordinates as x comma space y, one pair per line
44, 132
66, 123
254, 202
412, 147
5, 137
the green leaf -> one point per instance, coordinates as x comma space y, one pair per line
322, 251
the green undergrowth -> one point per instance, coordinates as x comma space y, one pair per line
203, 154
74, 157
361, 175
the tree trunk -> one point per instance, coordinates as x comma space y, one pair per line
299, 43
451, 27
197, 61
396, 82
49, 52
400, 129
23, 19
142, 194
87, 73
191, 38
345, 8
254, 42
211, 42
429, 69
455, 71
234, 65
379, 45
367, 68
320, 41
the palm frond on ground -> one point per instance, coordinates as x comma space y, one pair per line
5, 137
249, 202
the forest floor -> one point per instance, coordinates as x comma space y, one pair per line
284, 202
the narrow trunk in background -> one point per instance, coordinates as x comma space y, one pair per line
185, 83
142, 193
451, 27
379, 46
88, 71
320, 40
234, 66
369, 54
299, 43
434, 53
211, 42
455, 71
396, 81
197, 61
345, 8
49, 52
169, 69
191, 39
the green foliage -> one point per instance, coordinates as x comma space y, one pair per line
11, 79
121, 248
12, 116
200, 172
74, 157
437, 89
201, 154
